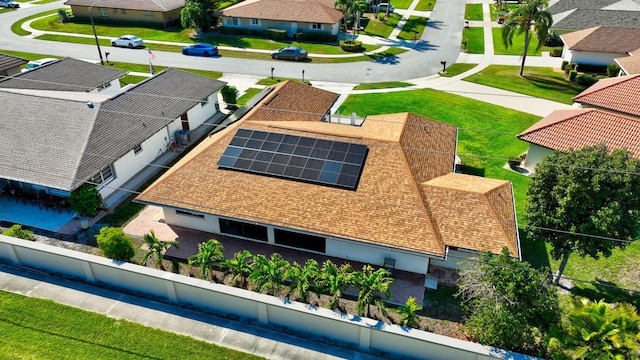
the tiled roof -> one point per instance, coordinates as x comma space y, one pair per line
630, 64
472, 212
284, 103
387, 208
9, 62
67, 74
583, 14
69, 142
312, 11
565, 130
144, 5
602, 39
619, 94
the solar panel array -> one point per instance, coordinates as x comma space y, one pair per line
302, 158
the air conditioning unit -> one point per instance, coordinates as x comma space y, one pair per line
182, 137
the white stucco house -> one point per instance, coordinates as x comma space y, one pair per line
10, 65
599, 45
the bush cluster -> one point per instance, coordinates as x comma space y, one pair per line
351, 46
276, 34
556, 52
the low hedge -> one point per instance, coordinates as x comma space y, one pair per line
556, 52
276, 34
316, 37
351, 46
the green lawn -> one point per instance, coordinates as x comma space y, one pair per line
250, 93
131, 79
375, 27
494, 10
17, 26
473, 12
475, 40
425, 5
42, 329
457, 68
538, 81
400, 4
517, 47
381, 85
413, 28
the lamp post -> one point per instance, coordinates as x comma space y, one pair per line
93, 26
303, 76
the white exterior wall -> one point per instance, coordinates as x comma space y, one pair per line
454, 259
590, 58
535, 155
200, 113
290, 27
113, 89
209, 223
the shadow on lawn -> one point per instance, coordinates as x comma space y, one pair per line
534, 252
607, 290
560, 85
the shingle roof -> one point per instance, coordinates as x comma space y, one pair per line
9, 62
284, 103
565, 130
67, 74
618, 94
630, 64
602, 39
74, 141
387, 208
583, 14
311, 11
144, 5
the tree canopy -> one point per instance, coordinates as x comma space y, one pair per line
583, 200
508, 302
195, 14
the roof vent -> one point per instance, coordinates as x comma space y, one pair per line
90, 105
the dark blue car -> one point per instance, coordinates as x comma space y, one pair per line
201, 49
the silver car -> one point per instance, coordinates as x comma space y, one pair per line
129, 41
289, 53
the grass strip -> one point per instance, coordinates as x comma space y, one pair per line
475, 40
473, 12
17, 26
381, 85
413, 28
250, 93
456, 69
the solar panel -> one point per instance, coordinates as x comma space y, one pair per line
327, 162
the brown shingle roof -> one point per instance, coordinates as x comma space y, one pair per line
143, 5
9, 62
386, 208
284, 103
630, 64
603, 39
311, 11
619, 94
565, 130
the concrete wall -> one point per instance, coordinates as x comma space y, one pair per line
366, 333
535, 155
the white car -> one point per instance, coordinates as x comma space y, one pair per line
129, 41
36, 63
382, 7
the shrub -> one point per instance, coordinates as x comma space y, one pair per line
572, 75
229, 94
382, 17
316, 36
553, 40
17, 231
115, 244
586, 79
556, 52
276, 34
587, 68
613, 70
351, 46
570, 66
564, 64
86, 200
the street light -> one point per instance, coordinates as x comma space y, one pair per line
93, 26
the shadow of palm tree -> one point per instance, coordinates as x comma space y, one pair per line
607, 290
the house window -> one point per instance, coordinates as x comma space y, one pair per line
300, 241
235, 21
102, 12
255, 22
104, 86
188, 213
137, 149
123, 11
115, 11
148, 13
105, 175
316, 26
238, 228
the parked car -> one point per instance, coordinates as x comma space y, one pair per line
9, 4
36, 63
129, 41
289, 53
501, 18
382, 7
202, 49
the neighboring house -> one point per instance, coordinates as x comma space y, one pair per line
67, 74
10, 65
629, 65
162, 13
600, 45
610, 115
55, 141
571, 15
291, 15
381, 192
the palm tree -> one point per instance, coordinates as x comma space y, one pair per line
157, 248
268, 274
373, 285
209, 253
597, 330
409, 313
302, 278
345, 7
240, 266
530, 15
334, 279
357, 6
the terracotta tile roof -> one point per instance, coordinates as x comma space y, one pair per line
284, 103
619, 40
387, 208
143, 5
473, 212
9, 62
312, 11
619, 94
630, 64
565, 130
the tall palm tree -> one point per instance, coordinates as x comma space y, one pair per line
530, 15
240, 266
268, 273
358, 7
373, 285
303, 278
597, 330
209, 254
157, 248
409, 313
345, 7
334, 279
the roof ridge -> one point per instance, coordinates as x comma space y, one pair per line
605, 84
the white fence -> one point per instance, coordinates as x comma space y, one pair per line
364, 332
